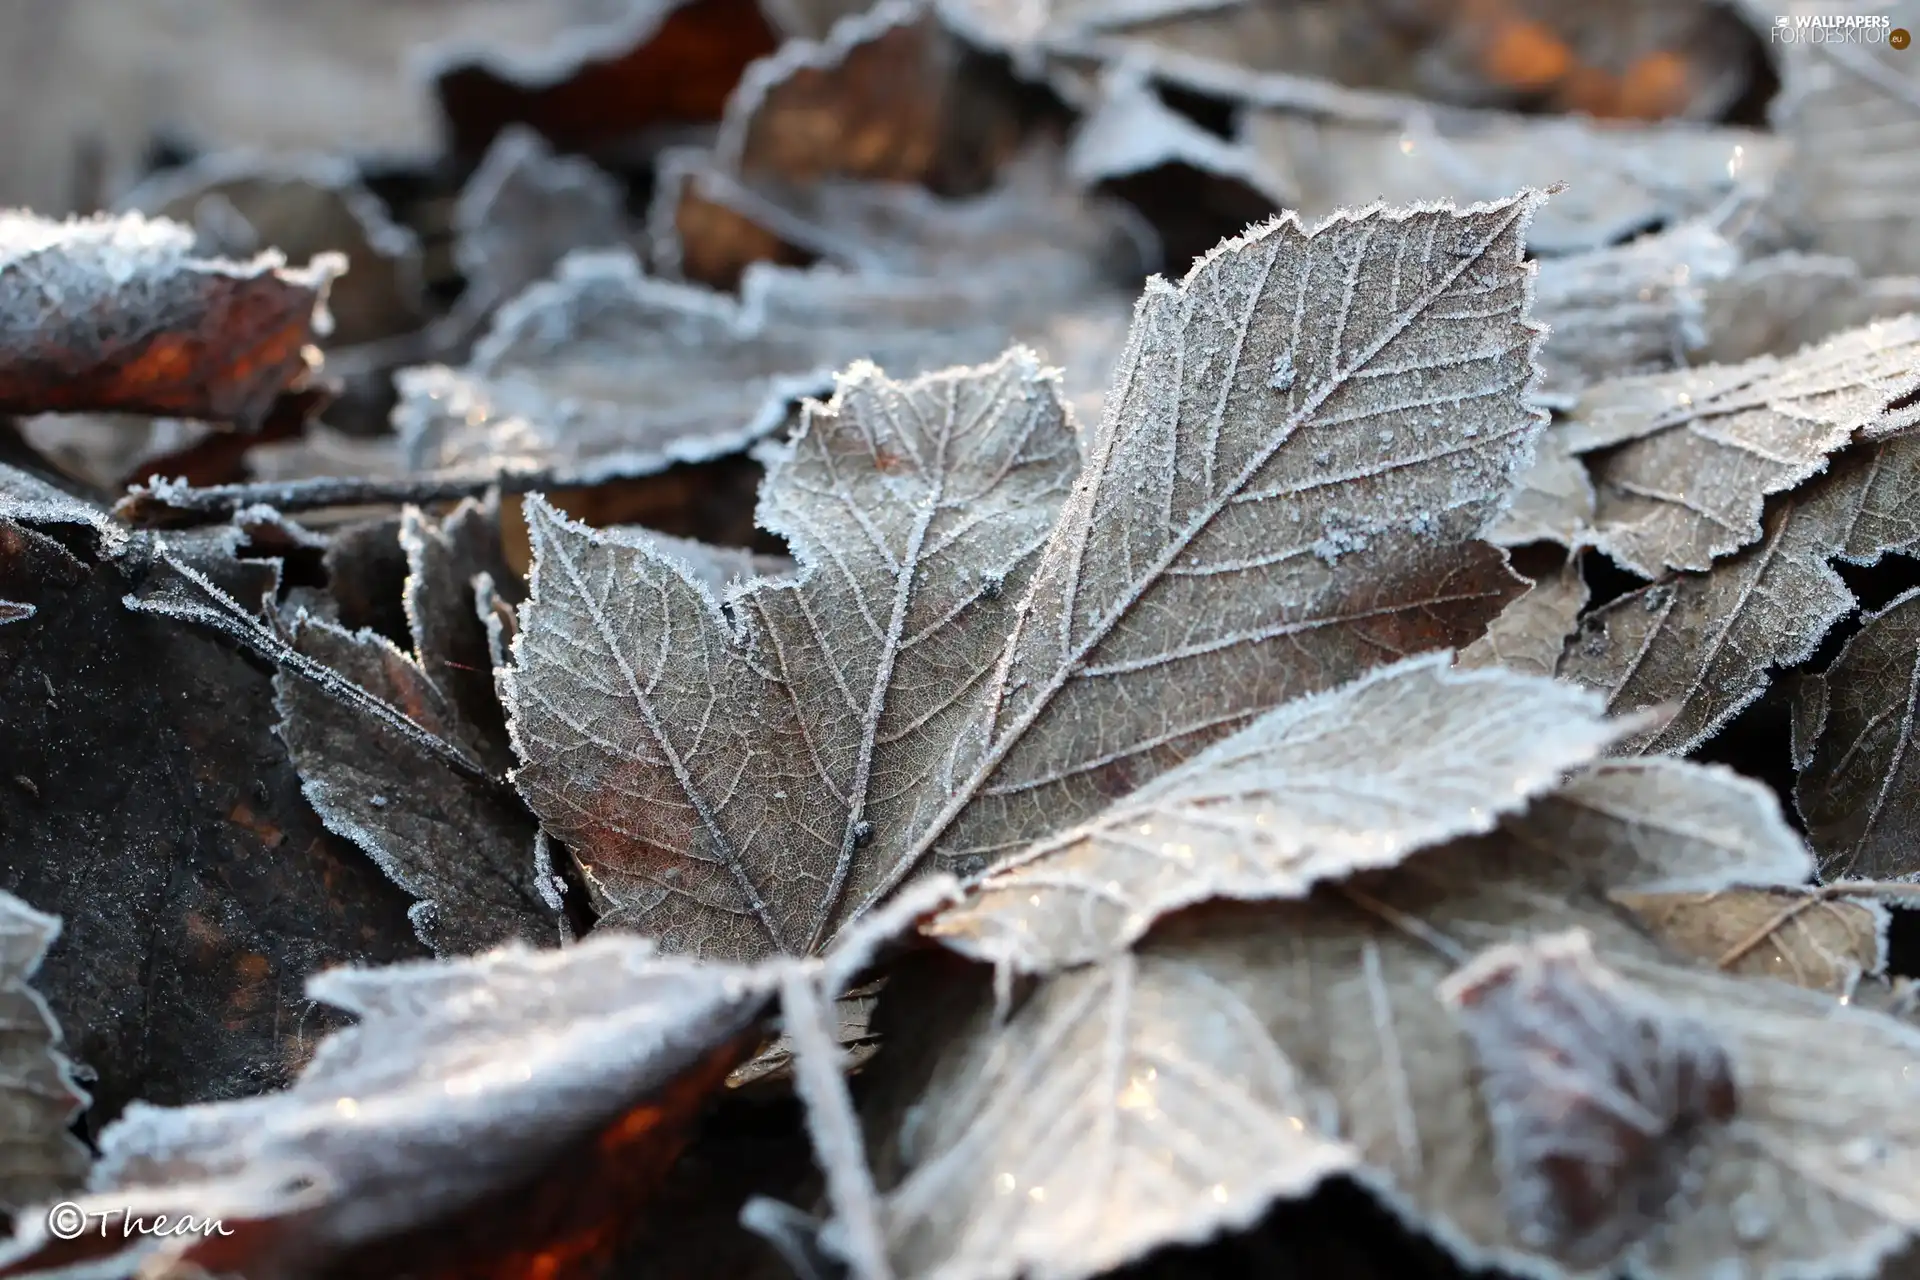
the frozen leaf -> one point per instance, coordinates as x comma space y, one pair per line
522, 211
1857, 790
1599, 1098
1324, 786
1530, 633
117, 314
241, 203
1552, 499
462, 846
1621, 178
14, 611
605, 372
1704, 644
735, 782
38, 1096
1852, 114
178, 971
1340, 504
1808, 937
445, 560
561, 1082
1313, 1035
1780, 303
615, 69
1628, 309
1702, 449
1302, 445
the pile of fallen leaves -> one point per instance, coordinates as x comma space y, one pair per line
635, 642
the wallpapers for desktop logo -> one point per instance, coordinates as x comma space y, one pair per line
1839, 28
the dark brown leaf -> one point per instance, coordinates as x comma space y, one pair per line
1858, 789
117, 314
153, 809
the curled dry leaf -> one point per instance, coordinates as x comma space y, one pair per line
1704, 644
560, 1083
605, 372
1530, 634
1408, 756
1690, 456
1808, 937
38, 1096
117, 314
239, 203
1242, 1052
1277, 460
1852, 115
1858, 789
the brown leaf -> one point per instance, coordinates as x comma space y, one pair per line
1530, 633
1704, 644
1243, 1052
1857, 788
116, 314
1552, 499
178, 970
1696, 452
240, 203
751, 779
628, 66
1803, 936
501, 1116
36, 1080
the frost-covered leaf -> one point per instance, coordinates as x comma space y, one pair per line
149, 805
1859, 789
1704, 644
38, 1096
1628, 309
1313, 1034
523, 210
1780, 303
106, 314
1698, 450
568, 1076
605, 372
1530, 633
734, 783
1303, 443
1621, 178
461, 845
1552, 499
1322, 787
240, 203
1804, 936
1851, 111
445, 559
